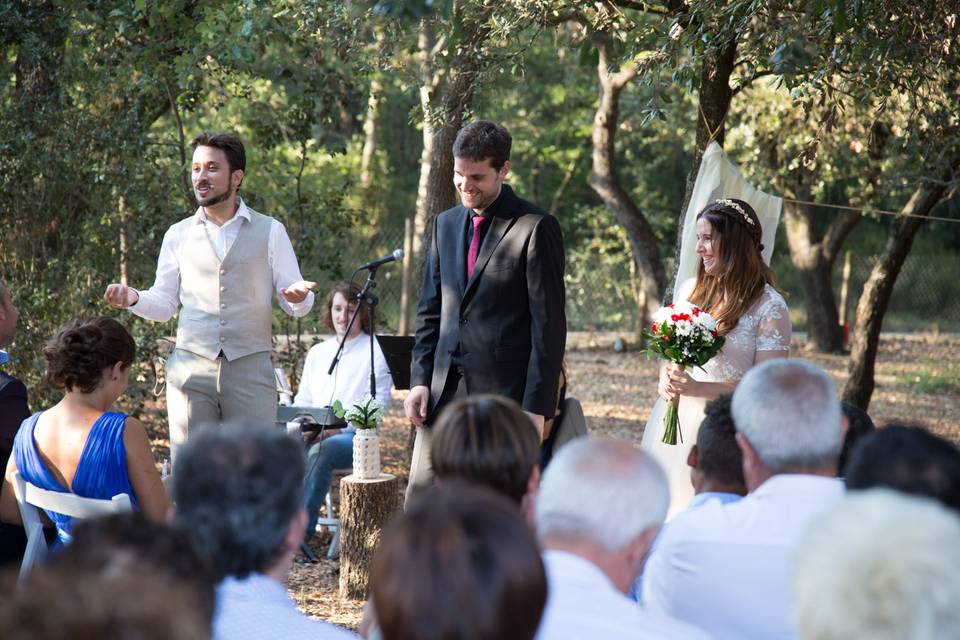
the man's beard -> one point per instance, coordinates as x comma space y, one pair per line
211, 201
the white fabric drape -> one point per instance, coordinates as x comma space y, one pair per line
720, 178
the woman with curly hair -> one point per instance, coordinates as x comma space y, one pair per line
79, 445
736, 287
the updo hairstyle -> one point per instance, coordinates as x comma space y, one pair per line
81, 349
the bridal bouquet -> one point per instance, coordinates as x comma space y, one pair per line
686, 335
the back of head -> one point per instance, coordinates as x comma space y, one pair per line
113, 544
908, 459
606, 492
859, 424
879, 565
121, 578
488, 440
80, 351
237, 489
718, 456
788, 411
461, 563
481, 140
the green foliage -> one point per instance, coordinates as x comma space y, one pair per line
364, 414
934, 377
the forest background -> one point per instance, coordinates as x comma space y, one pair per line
348, 111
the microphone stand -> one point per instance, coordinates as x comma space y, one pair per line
367, 297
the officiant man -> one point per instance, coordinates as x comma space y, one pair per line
222, 266
491, 316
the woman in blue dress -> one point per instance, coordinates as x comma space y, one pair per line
80, 446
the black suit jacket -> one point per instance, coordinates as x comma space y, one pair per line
508, 319
13, 411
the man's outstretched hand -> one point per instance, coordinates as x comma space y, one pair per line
120, 296
297, 292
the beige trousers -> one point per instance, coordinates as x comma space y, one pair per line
201, 391
421, 471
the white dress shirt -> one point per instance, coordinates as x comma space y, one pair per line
259, 607
350, 381
160, 302
726, 568
582, 604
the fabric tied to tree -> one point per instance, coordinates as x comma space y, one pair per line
478, 224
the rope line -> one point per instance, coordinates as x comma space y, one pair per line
884, 212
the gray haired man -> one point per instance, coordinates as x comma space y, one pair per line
599, 507
727, 567
239, 490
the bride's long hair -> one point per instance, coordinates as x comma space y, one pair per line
743, 274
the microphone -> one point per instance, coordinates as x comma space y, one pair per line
397, 255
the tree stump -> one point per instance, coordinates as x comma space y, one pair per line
365, 508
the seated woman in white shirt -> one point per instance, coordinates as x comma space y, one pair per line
349, 383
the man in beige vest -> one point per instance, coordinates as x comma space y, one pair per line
223, 265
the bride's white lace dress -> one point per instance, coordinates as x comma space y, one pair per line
764, 327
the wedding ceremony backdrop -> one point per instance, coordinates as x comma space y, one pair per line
847, 110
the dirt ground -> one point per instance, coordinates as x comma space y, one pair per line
918, 382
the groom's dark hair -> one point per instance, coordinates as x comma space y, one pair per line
481, 140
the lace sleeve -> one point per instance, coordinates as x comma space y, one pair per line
774, 330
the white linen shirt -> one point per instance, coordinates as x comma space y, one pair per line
350, 380
258, 607
582, 604
161, 301
726, 568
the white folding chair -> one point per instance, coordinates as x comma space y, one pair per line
31, 499
330, 522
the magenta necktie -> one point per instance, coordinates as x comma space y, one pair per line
474, 250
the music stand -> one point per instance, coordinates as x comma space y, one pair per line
398, 352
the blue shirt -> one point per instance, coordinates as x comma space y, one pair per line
258, 607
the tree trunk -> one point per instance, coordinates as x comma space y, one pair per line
605, 182
365, 508
811, 261
370, 122
713, 104
877, 291
444, 104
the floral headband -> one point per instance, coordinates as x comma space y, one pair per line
736, 207
751, 224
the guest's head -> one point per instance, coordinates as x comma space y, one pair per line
788, 420
481, 162
859, 424
114, 544
123, 577
239, 491
460, 562
716, 463
338, 307
908, 459
879, 565
8, 316
85, 355
488, 440
604, 500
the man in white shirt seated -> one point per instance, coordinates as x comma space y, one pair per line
727, 567
239, 491
600, 504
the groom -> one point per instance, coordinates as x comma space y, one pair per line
491, 316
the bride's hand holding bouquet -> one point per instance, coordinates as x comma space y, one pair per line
685, 335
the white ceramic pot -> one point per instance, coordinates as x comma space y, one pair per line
366, 454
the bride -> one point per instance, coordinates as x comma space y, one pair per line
736, 287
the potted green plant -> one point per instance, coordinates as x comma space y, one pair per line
364, 416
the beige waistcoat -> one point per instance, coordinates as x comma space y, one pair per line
226, 305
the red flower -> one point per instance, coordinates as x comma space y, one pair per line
714, 334
655, 327
680, 316
696, 311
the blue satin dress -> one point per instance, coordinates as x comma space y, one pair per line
101, 471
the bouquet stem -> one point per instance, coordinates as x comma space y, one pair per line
671, 420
